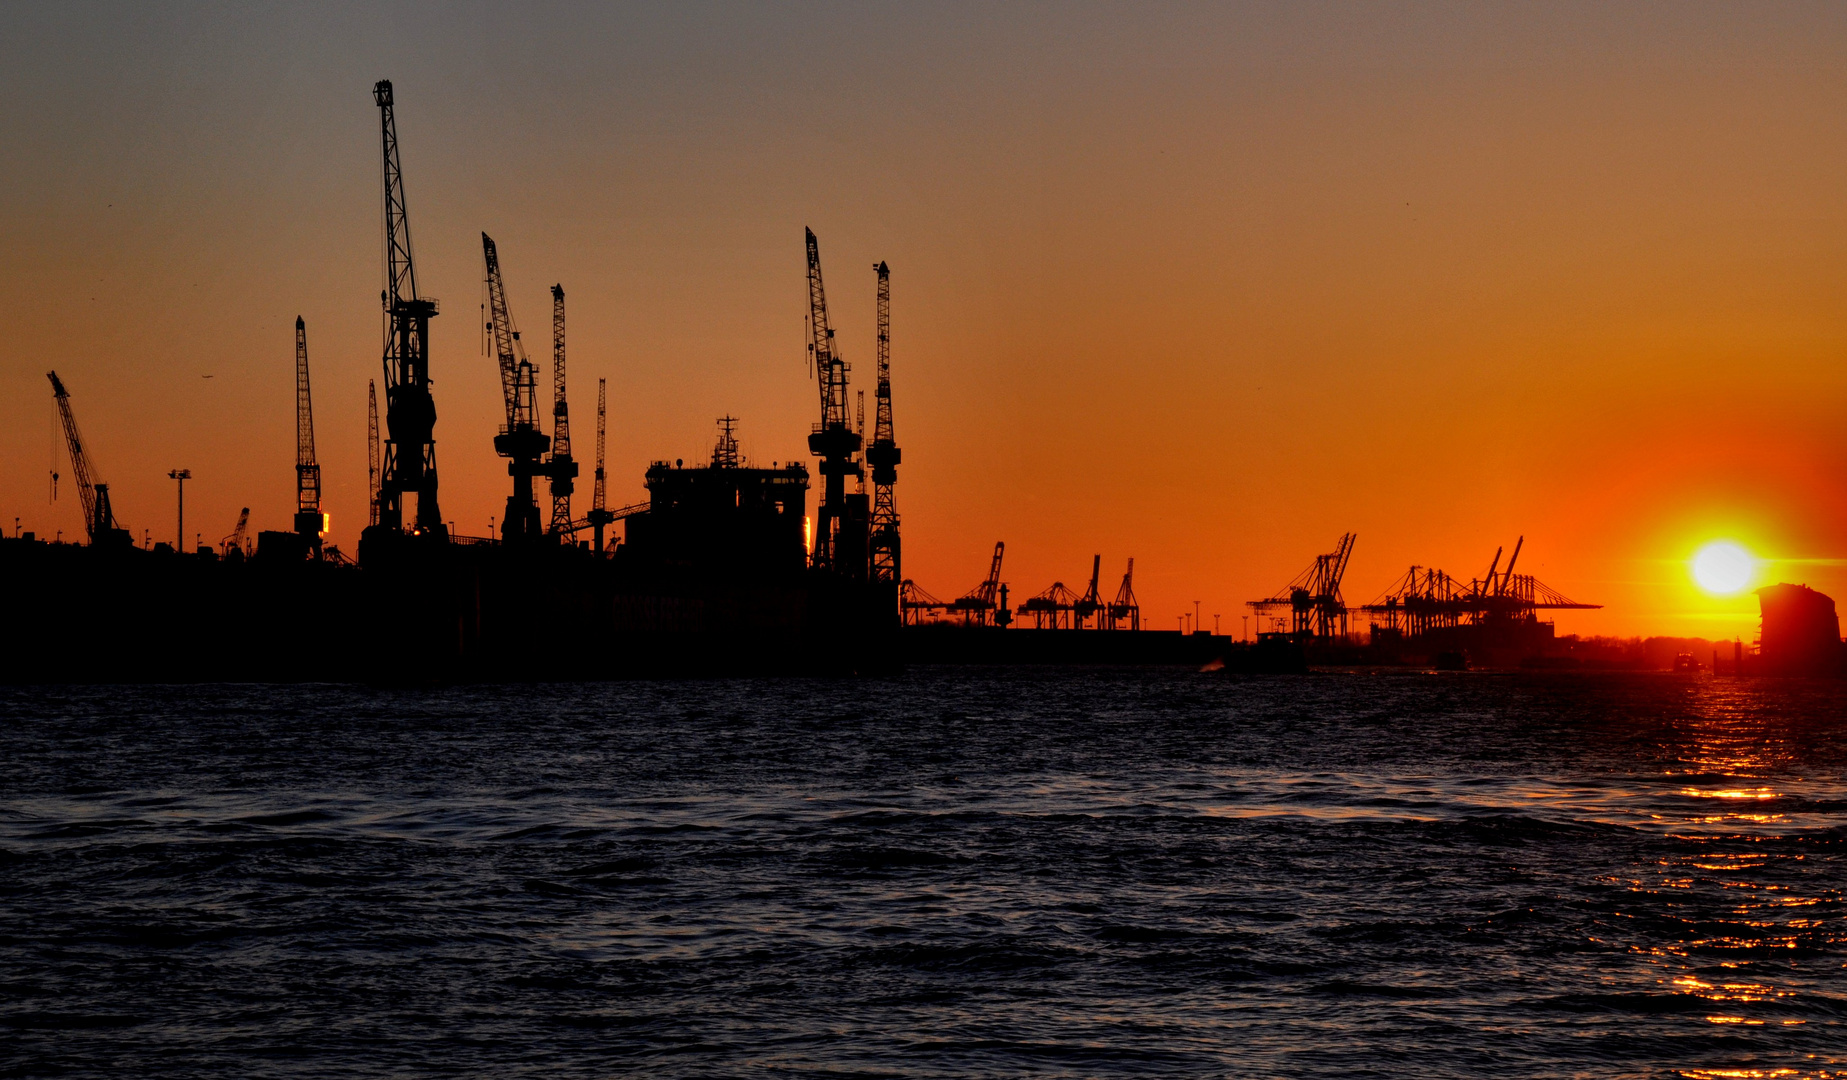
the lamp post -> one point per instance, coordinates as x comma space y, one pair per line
180, 476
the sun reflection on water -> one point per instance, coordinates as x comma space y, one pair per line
1733, 800
1760, 793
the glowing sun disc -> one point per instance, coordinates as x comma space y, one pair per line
1723, 567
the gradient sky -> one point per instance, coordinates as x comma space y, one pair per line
1207, 286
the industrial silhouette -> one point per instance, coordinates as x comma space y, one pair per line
721, 566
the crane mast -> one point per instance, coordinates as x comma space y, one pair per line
98, 516
409, 465
599, 497
599, 515
839, 539
520, 440
563, 470
371, 452
307, 472
883, 455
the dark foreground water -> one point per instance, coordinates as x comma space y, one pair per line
947, 874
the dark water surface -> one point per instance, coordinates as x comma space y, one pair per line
947, 874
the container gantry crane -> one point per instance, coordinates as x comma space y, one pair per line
1050, 607
840, 532
914, 603
1124, 606
1424, 599
561, 469
1313, 596
520, 440
1427, 600
883, 455
987, 601
1090, 605
98, 516
409, 465
307, 471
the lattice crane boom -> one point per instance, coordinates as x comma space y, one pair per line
508, 351
400, 268
830, 369
409, 464
98, 516
833, 440
235, 541
990, 587
372, 452
521, 440
1337, 570
307, 470
563, 469
599, 515
599, 497
883, 455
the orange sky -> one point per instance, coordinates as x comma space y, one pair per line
1205, 287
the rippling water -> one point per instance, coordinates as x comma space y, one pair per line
947, 874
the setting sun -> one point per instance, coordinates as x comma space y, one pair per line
1723, 568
